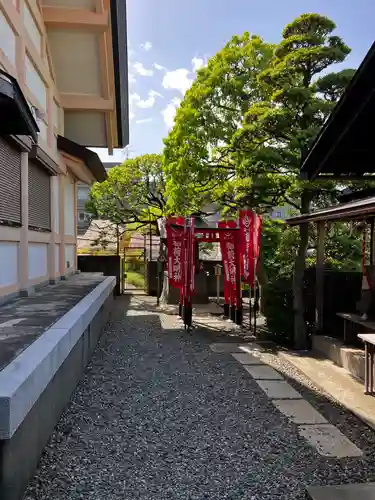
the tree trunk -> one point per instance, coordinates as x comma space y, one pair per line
262, 280
300, 330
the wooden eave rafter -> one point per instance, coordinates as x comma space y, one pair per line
76, 19
107, 75
86, 102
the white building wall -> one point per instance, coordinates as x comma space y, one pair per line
57, 259
7, 39
282, 212
32, 28
70, 256
43, 130
8, 263
69, 205
37, 260
35, 83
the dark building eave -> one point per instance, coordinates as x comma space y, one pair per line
343, 149
357, 195
16, 117
120, 60
90, 159
355, 210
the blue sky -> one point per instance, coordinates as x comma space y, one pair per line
169, 38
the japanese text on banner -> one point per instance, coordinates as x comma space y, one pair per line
175, 256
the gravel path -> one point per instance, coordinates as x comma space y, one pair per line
159, 416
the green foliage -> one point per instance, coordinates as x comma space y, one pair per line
277, 303
249, 118
133, 194
343, 252
277, 133
343, 248
239, 140
135, 278
197, 156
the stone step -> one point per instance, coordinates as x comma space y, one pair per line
337, 382
365, 491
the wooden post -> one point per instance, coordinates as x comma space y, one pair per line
319, 291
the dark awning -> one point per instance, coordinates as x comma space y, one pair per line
91, 159
43, 159
16, 117
344, 147
355, 210
357, 195
120, 62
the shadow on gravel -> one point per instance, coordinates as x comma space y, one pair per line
357, 430
334, 471
354, 428
158, 415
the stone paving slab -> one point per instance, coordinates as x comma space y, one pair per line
337, 382
365, 491
246, 359
31, 316
324, 437
159, 416
299, 411
278, 389
225, 347
10, 332
329, 441
259, 372
252, 348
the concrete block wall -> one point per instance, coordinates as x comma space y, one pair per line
36, 387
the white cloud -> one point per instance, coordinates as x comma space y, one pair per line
144, 120
132, 99
146, 46
131, 78
197, 63
178, 80
141, 70
145, 103
159, 67
148, 103
153, 93
170, 111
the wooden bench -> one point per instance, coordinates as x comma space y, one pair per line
356, 319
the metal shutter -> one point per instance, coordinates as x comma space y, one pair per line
39, 198
10, 183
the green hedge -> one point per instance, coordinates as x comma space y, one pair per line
278, 310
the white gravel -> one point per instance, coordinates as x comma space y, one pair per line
159, 416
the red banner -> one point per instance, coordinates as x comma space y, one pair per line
257, 242
233, 248
192, 252
250, 237
229, 255
223, 224
246, 220
175, 244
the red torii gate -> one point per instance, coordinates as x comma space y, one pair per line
240, 245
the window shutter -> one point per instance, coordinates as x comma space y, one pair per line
10, 184
39, 198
